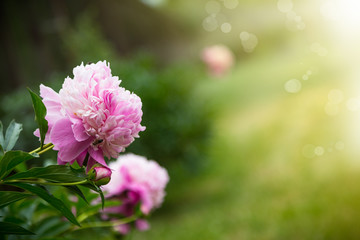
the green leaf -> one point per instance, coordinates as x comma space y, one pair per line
40, 113
51, 226
76, 190
12, 228
12, 135
21, 167
1, 135
97, 189
11, 159
55, 173
1, 152
7, 198
53, 201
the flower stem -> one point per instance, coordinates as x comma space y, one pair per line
43, 149
46, 149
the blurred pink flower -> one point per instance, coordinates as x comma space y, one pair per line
91, 114
136, 180
218, 58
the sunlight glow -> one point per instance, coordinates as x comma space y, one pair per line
344, 13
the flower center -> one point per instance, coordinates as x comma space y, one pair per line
97, 142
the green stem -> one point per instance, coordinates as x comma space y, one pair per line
43, 182
43, 149
85, 215
46, 149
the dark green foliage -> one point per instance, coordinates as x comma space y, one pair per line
40, 113
177, 122
7, 198
53, 201
12, 228
11, 159
54, 173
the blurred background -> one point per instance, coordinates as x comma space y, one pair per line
260, 134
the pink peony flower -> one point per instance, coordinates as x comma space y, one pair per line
218, 58
91, 115
136, 180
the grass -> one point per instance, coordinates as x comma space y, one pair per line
261, 182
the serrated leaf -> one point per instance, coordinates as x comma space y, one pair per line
7, 198
40, 113
11, 159
12, 135
53, 201
55, 173
12, 228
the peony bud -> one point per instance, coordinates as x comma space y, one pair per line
100, 174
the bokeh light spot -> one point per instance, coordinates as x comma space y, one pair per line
319, 151
249, 41
318, 49
225, 27
244, 36
292, 86
210, 24
231, 4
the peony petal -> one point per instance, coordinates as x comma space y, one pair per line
52, 103
63, 139
47, 136
79, 131
98, 156
59, 161
49, 94
91, 162
80, 159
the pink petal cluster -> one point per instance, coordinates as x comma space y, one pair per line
218, 58
136, 180
91, 115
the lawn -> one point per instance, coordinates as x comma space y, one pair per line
281, 165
